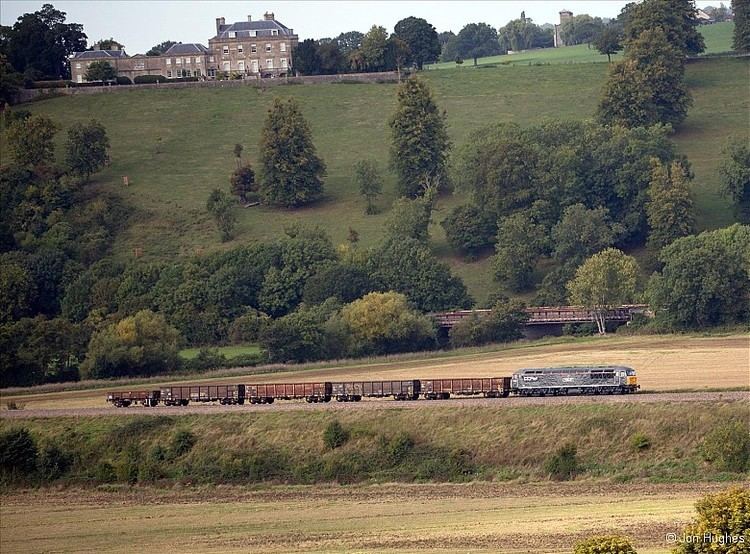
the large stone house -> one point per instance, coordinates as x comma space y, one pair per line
245, 49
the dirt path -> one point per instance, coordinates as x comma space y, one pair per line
210, 409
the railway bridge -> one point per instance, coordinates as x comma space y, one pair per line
549, 320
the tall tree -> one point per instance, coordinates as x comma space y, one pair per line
109, 44
741, 33
604, 281
477, 40
242, 182
87, 148
669, 208
581, 29
421, 38
161, 48
306, 59
420, 145
100, 70
31, 140
349, 42
373, 48
647, 86
331, 59
522, 34
520, 244
676, 18
582, 232
291, 171
608, 41
39, 43
735, 178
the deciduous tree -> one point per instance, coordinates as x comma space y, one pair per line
243, 182
87, 148
477, 40
735, 177
31, 140
100, 70
741, 33
722, 520
469, 229
220, 206
291, 171
520, 243
161, 48
421, 39
604, 281
608, 41
368, 181
676, 18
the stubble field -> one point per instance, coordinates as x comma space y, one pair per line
475, 517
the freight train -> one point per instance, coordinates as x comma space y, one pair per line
553, 381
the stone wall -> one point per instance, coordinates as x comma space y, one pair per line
28, 95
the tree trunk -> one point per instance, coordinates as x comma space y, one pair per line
475, 61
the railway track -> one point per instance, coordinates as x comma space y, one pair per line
212, 409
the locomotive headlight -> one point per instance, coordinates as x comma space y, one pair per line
632, 380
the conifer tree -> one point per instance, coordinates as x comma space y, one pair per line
419, 151
669, 208
291, 171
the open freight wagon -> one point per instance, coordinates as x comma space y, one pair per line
356, 390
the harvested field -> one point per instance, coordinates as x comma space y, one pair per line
480, 517
664, 363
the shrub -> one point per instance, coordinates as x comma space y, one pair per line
122, 80
245, 329
207, 358
182, 442
18, 452
721, 517
146, 79
640, 442
246, 360
104, 473
335, 435
53, 462
604, 545
728, 447
398, 448
563, 464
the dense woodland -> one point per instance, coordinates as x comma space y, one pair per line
577, 197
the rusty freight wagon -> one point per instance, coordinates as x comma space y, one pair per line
354, 391
494, 387
123, 399
183, 395
266, 394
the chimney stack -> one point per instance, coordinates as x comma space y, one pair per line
249, 17
269, 16
219, 24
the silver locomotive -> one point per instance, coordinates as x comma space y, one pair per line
609, 379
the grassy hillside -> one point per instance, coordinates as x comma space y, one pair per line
718, 37
437, 444
176, 146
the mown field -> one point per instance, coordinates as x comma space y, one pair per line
380, 518
176, 146
718, 39
663, 363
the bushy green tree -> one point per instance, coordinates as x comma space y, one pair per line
143, 344
39, 43
160, 48
504, 323
722, 519
727, 446
669, 208
735, 177
408, 266
522, 34
383, 322
420, 144
242, 182
373, 49
676, 18
100, 70
300, 336
582, 232
477, 40
291, 171
604, 281
741, 33
221, 207
344, 281
605, 544
608, 41
246, 328
704, 281
410, 218
581, 29
520, 243
367, 179
469, 229
647, 86
306, 58
87, 150
31, 141
421, 38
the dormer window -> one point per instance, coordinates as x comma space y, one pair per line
274, 32
232, 34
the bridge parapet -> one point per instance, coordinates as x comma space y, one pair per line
548, 315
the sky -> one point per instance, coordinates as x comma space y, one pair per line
140, 24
